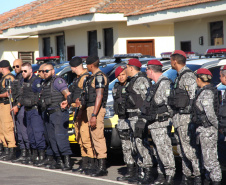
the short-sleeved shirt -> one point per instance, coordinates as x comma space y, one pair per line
81, 81
59, 84
7, 77
105, 79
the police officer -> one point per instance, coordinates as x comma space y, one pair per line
96, 94
21, 126
54, 92
206, 105
158, 121
119, 95
136, 89
31, 88
7, 136
180, 100
46, 162
81, 123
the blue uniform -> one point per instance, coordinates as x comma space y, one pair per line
35, 127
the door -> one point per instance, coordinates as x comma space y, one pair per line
108, 42
92, 43
46, 47
70, 52
60, 47
145, 47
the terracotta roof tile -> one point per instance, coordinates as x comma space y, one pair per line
160, 5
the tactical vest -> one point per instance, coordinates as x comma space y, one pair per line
119, 95
179, 98
150, 109
133, 100
90, 92
4, 100
28, 97
17, 87
198, 116
49, 96
74, 89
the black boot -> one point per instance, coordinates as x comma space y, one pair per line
47, 162
91, 166
169, 180
101, 171
67, 163
216, 183
58, 164
35, 157
83, 166
186, 180
5, 153
41, 157
198, 180
148, 177
22, 157
130, 173
1, 149
28, 159
137, 177
160, 180
11, 156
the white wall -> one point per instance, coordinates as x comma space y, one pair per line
162, 34
9, 48
193, 29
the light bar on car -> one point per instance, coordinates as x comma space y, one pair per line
216, 51
48, 58
189, 54
130, 55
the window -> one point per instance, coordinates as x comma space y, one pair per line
185, 46
26, 56
216, 33
60, 47
92, 43
46, 47
108, 42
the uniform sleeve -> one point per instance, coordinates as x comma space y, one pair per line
140, 86
60, 84
188, 83
37, 87
94, 81
207, 104
80, 83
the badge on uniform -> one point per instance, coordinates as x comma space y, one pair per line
60, 81
205, 102
99, 79
142, 86
124, 90
186, 88
167, 92
38, 85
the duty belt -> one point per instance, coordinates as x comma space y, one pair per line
51, 111
31, 108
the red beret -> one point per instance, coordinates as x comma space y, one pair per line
180, 52
119, 70
204, 71
154, 62
223, 68
134, 62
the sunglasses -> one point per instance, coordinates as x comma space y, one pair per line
16, 66
24, 71
47, 71
41, 71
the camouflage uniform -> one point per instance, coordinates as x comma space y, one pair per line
186, 142
140, 149
209, 135
159, 132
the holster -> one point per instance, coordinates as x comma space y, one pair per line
139, 128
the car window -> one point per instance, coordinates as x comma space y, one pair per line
68, 77
171, 74
216, 75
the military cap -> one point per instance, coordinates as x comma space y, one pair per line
154, 62
91, 59
179, 52
204, 71
75, 61
134, 62
119, 70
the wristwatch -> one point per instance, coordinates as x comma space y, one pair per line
93, 115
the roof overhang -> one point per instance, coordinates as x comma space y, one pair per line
179, 14
64, 24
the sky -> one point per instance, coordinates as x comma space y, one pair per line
7, 5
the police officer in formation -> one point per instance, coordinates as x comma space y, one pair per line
180, 100
206, 107
158, 113
119, 95
136, 89
7, 137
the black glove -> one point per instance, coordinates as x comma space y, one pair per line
139, 128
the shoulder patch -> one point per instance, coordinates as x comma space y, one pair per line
60, 81
38, 85
167, 92
205, 102
99, 78
142, 86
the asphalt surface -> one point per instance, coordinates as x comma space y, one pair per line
19, 174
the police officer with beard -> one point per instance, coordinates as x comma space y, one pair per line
136, 89
21, 126
54, 92
205, 106
158, 113
119, 95
31, 87
96, 94
180, 100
